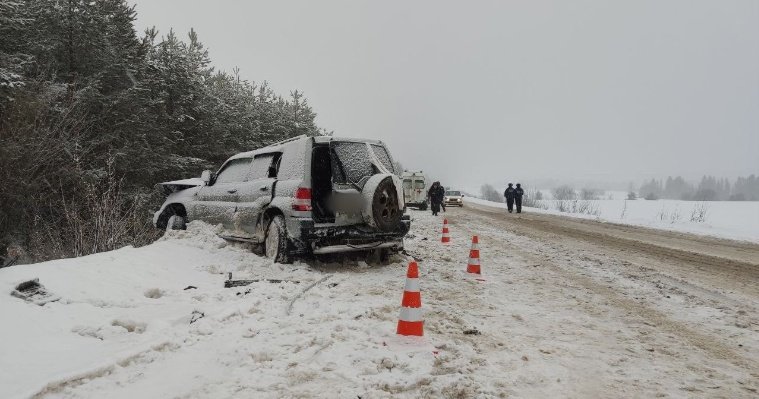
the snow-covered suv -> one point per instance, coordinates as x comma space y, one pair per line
305, 195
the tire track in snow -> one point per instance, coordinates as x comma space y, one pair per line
551, 256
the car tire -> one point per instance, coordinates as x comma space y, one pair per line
277, 245
423, 207
176, 222
385, 211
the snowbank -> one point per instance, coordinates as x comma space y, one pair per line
156, 322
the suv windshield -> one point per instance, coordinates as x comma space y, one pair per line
453, 193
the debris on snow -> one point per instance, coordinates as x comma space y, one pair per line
196, 315
34, 292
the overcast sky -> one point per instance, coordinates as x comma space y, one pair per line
496, 91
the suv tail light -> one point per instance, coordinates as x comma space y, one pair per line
302, 200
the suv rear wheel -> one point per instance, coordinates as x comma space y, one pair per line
276, 244
385, 211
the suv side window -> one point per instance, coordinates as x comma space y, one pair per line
234, 171
383, 156
265, 165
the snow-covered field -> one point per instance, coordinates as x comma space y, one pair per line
542, 324
737, 220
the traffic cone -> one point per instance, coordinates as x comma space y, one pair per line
474, 257
410, 320
446, 237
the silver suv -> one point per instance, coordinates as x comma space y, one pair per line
305, 195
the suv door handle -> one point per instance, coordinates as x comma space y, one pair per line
232, 191
264, 188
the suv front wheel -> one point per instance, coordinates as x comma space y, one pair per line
276, 244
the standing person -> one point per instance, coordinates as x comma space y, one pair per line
436, 197
442, 196
510, 193
518, 193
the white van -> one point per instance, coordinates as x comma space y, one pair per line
415, 189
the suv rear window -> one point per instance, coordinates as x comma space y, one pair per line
355, 161
418, 183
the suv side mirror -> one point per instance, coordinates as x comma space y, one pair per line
206, 177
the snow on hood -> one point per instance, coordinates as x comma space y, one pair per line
179, 185
191, 182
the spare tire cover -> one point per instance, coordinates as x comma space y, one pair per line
383, 208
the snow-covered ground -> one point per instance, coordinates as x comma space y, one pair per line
737, 220
126, 325
542, 324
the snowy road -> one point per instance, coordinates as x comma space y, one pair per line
566, 310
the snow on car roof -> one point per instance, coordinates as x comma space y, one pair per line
277, 147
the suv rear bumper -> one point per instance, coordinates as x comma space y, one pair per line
335, 239
332, 249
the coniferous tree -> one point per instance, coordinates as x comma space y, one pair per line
89, 109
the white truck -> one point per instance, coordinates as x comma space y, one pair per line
415, 189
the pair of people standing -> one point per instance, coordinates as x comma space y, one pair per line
514, 195
436, 195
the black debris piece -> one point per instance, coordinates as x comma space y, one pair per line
34, 292
196, 316
473, 331
240, 283
191, 287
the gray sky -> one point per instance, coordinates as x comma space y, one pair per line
490, 91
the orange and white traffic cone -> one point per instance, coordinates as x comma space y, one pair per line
474, 257
446, 236
410, 320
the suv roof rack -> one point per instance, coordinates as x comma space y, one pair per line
285, 141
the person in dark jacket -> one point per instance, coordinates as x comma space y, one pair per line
518, 194
436, 193
510, 194
442, 196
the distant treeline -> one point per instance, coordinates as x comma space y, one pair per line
708, 189
93, 115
